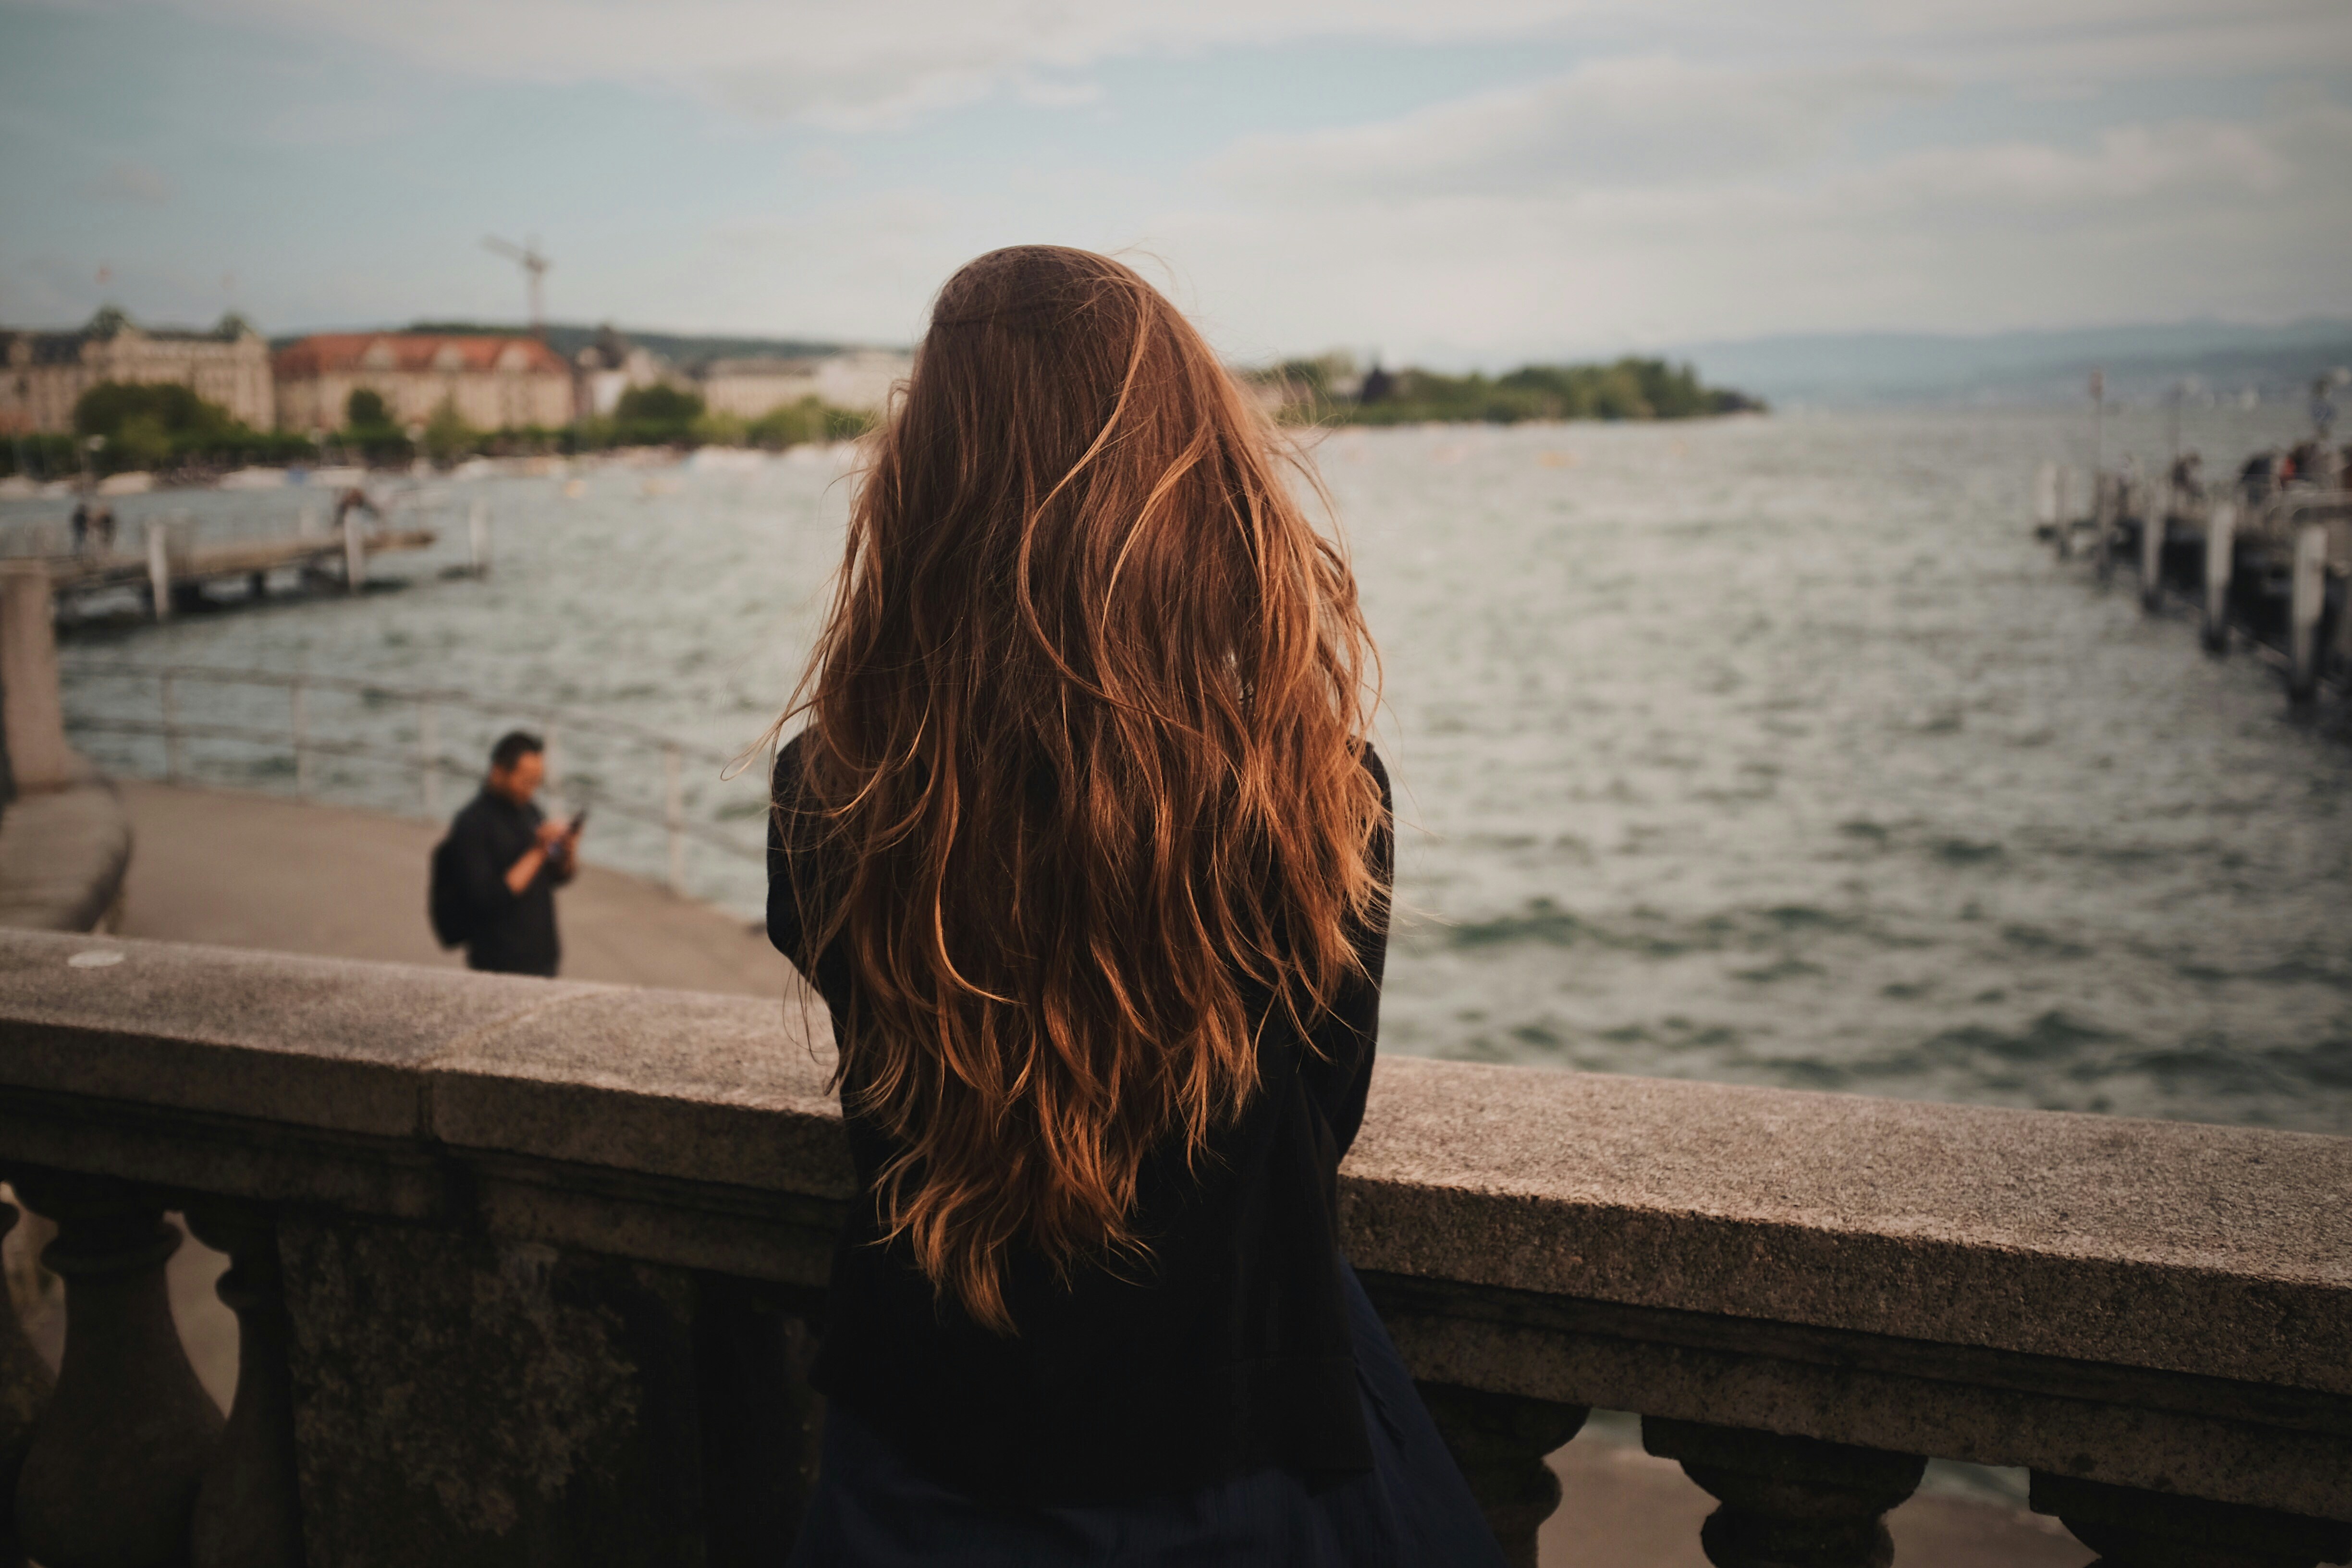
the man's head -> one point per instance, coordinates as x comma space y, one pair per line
518, 766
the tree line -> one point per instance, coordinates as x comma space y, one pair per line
164, 427
1329, 391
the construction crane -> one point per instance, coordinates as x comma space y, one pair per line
534, 264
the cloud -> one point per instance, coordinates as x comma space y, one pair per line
134, 183
860, 67
2140, 221
1618, 123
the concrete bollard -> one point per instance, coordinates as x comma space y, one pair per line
159, 569
478, 539
354, 554
2309, 596
2220, 550
30, 709
2155, 519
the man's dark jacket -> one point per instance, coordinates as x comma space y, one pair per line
513, 933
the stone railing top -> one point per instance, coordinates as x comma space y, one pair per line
2213, 1250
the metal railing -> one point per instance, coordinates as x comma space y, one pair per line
425, 759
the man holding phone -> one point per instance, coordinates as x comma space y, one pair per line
494, 877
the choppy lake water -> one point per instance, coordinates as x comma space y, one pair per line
1771, 751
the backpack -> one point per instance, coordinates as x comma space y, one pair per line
445, 904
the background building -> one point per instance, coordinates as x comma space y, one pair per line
46, 372
610, 365
495, 383
856, 378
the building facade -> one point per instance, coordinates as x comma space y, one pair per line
494, 383
43, 374
747, 388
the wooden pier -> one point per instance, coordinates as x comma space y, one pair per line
2267, 566
172, 573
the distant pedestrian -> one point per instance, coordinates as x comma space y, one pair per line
494, 877
101, 524
80, 527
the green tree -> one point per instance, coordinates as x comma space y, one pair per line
364, 409
447, 437
655, 415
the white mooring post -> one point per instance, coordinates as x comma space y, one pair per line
674, 816
301, 740
2309, 596
2155, 519
2220, 550
478, 539
354, 553
428, 758
159, 568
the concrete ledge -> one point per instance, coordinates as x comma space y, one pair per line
63, 855
2094, 1296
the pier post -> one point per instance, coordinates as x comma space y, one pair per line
170, 699
2156, 518
428, 758
301, 740
674, 817
354, 554
2220, 550
2065, 516
478, 539
2104, 491
159, 569
2045, 500
2308, 598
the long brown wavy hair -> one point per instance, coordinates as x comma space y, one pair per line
1084, 756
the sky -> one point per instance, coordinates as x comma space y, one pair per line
1470, 182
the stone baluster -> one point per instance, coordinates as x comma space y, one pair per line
110, 1478
1501, 1441
25, 1385
2129, 1528
761, 1420
1789, 1502
248, 1512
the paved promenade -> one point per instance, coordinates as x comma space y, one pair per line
248, 870
254, 871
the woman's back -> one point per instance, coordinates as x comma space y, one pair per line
1085, 850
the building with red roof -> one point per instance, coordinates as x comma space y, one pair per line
494, 383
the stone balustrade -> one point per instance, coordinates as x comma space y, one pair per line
522, 1271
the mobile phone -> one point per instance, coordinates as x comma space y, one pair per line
578, 822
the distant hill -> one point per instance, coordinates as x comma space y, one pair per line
2142, 363
679, 348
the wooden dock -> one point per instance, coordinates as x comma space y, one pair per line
2268, 566
173, 572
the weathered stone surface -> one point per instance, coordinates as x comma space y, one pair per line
673, 1083
63, 855
460, 1402
2238, 1443
2220, 1250
1867, 1264
2135, 1528
325, 1043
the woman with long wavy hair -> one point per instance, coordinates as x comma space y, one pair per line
1086, 851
